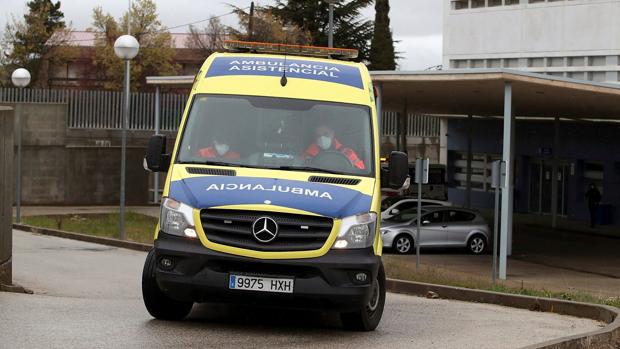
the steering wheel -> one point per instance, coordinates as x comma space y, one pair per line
332, 160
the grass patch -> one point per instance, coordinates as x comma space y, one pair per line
404, 270
138, 227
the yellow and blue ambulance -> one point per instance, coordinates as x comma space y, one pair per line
273, 188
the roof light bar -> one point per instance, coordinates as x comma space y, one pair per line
266, 47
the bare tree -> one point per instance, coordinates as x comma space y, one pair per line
268, 28
208, 39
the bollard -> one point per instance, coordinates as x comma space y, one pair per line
7, 188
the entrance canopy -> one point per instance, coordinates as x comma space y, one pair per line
488, 92
481, 92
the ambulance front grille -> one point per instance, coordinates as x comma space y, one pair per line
296, 232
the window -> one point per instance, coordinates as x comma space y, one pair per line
405, 216
555, 62
477, 63
576, 61
433, 217
477, 3
480, 170
536, 62
494, 63
577, 75
407, 205
511, 63
278, 133
597, 76
460, 4
458, 63
495, 3
597, 61
511, 2
460, 216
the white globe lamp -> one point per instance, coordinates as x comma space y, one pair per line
126, 47
20, 77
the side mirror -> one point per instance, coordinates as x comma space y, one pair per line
394, 211
156, 159
426, 222
398, 169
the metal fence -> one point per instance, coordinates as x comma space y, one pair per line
104, 109
417, 125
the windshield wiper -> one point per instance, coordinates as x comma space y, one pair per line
216, 163
308, 168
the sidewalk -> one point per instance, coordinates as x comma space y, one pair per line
521, 274
567, 225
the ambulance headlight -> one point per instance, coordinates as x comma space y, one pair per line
177, 218
357, 231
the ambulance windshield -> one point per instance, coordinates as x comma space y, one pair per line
278, 133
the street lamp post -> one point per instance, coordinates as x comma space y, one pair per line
21, 79
126, 48
330, 38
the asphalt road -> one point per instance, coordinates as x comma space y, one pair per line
88, 296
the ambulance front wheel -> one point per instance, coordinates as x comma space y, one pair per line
368, 318
158, 304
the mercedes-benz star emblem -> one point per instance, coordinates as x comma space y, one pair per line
265, 229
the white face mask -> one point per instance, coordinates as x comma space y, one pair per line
221, 148
324, 142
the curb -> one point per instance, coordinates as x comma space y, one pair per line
84, 237
605, 338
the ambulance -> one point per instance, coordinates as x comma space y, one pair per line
272, 193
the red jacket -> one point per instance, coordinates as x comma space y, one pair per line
211, 153
314, 150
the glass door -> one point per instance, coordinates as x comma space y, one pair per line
541, 173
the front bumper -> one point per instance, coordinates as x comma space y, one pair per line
327, 282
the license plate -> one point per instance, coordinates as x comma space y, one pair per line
254, 283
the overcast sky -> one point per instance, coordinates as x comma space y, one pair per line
416, 24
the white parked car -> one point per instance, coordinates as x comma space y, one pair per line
389, 210
440, 227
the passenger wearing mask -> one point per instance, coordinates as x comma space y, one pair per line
220, 149
326, 141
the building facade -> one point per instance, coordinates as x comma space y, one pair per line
80, 73
570, 38
578, 39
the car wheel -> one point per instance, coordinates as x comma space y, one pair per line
368, 318
477, 244
403, 244
158, 304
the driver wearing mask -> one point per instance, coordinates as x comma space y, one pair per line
218, 150
326, 141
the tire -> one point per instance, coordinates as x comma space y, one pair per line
403, 244
477, 244
368, 318
158, 304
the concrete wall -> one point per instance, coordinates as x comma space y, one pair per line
75, 166
579, 142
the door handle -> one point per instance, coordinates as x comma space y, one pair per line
444, 226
